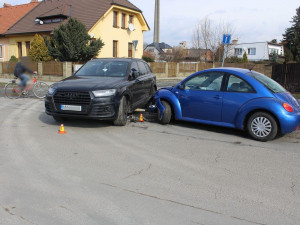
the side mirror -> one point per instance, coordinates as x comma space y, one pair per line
134, 74
181, 87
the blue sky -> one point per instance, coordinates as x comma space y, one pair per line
255, 20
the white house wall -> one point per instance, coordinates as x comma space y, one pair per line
261, 53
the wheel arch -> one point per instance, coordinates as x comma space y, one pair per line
172, 100
249, 114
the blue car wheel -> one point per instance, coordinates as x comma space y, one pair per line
167, 114
262, 126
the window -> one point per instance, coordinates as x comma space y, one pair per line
20, 49
1, 51
273, 50
272, 85
211, 81
236, 84
130, 48
123, 20
115, 21
142, 68
131, 19
104, 68
148, 68
238, 51
27, 47
115, 48
251, 51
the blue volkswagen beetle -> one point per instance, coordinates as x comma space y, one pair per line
231, 97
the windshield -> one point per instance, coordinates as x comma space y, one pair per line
103, 68
272, 85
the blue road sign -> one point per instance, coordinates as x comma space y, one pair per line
226, 39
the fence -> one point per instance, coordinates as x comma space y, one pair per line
48, 71
53, 68
288, 75
171, 69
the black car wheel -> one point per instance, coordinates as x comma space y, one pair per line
167, 115
121, 119
262, 126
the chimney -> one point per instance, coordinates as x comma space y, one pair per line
6, 5
156, 38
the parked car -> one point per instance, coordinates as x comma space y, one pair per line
103, 89
231, 97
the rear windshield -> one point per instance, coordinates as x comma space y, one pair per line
103, 68
272, 85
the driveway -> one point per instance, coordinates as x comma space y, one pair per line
143, 173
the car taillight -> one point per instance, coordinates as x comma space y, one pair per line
287, 107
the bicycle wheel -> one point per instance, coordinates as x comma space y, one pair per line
12, 90
40, 89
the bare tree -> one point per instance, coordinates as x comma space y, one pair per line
208, 34
201, 35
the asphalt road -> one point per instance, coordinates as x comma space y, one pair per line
141, 174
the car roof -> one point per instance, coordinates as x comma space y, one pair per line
230, 69
118, 59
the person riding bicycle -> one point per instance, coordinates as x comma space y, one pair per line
20, 70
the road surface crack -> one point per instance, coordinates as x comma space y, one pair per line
177, 202
14, 214
139, 172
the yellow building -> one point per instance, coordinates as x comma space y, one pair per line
118, 23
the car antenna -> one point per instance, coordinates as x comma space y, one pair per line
252, 67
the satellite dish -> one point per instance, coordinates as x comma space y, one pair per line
92, 35
131, 27
41, 22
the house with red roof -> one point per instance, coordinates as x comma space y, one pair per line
119, 24
9, 15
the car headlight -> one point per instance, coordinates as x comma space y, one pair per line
104, 93
51, 91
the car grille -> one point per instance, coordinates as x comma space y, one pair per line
72, 98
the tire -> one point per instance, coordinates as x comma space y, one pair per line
121, 119
262, 126
167, 116
59, 118
40, 89
12, 90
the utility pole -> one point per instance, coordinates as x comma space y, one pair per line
156, 38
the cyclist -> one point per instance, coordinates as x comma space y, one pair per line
20, 70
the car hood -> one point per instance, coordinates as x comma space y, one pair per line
168, 88
288, 98
88, 83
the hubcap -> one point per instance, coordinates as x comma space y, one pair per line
261, 127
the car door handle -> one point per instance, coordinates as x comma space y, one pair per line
218, 97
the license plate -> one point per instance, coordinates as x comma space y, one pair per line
71, 108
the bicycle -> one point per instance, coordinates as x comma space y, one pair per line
13, 90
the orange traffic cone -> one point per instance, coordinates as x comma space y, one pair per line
141, 119
62, 129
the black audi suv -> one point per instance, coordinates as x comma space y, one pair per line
103, 89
